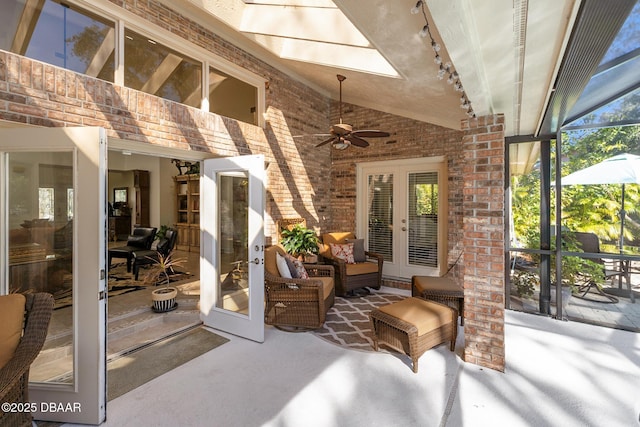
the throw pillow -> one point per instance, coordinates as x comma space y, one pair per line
358, 250
283, 268
299, 271
343, 252
292, 266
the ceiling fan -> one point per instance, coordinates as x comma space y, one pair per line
342, 135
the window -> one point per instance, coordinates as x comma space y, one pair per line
69, 204
231, 97
66, 36
59, 35
121, 195
156, 69
46, 203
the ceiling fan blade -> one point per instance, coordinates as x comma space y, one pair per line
326, 141
312, 135
356, 140
370, 133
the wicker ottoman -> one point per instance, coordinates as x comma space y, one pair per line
413, 326
440, 289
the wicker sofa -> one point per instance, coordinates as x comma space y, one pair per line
352, 277
14, 375
296, 304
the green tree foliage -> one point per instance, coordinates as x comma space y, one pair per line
596, 208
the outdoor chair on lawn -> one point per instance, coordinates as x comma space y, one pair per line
296, 304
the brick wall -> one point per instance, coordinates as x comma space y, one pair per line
484, 231
302, 181
409, 139
39, 94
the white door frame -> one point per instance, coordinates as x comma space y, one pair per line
84, 400
399, 266
250, 325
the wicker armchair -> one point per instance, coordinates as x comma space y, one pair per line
351, 278
14, 376
296, 304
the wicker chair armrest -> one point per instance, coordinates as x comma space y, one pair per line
39, 306
378, 257
339, 265
312, 290
319, 270
271, 279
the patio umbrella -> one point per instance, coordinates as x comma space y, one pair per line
620, 169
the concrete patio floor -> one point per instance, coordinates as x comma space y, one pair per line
557, 373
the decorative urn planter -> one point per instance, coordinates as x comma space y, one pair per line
164, 299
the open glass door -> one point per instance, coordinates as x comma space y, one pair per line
52, 223
231, 256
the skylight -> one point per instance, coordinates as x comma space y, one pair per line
313, 31
612, 96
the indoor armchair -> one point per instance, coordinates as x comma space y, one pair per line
142, 238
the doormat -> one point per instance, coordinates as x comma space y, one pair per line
132, 370
120, 282
347, 322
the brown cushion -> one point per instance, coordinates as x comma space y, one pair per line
440, 285
11, 319
337, 237
327, 285
361, 268
425, 315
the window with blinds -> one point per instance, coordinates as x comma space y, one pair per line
423, 219
380, 214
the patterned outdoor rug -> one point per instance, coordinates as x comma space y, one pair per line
120, 282
347, 323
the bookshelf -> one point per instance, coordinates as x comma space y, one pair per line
187, 188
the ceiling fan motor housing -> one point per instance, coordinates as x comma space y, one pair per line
341, 129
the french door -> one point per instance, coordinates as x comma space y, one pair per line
52, 223
231, 256
402, 214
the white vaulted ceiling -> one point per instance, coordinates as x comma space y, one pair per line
507, 52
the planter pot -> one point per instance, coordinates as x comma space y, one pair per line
164, 299
311, 259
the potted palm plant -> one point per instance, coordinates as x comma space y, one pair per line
300, 242
164, 298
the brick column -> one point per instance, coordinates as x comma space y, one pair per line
483, 237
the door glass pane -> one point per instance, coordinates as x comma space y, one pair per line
423, 219
380, 214
41, 249
233, 230
59, 35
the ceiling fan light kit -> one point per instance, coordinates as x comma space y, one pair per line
342, 135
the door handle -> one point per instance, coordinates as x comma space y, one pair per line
404, 228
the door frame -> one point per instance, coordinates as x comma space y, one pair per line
399, 267
251, 325
86, 395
